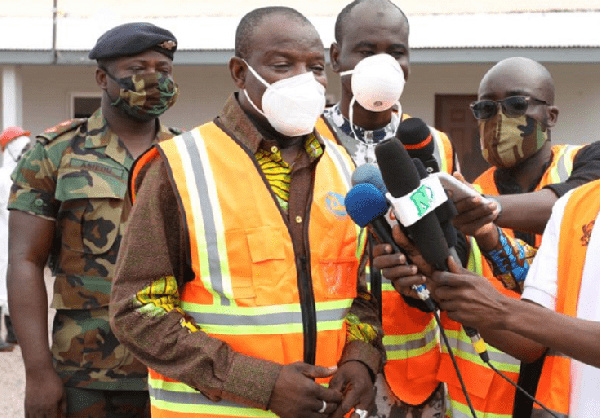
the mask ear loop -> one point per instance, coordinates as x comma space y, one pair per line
252, 103
351, 116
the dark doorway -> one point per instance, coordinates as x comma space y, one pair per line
453, 116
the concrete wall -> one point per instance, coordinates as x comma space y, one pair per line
47, 91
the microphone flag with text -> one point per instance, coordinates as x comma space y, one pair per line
414, 201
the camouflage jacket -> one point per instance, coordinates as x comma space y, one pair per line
77, 174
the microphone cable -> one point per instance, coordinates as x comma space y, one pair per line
454, 363
485, 358
520, 389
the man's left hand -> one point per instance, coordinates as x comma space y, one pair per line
354, 381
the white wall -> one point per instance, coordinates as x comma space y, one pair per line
46, 92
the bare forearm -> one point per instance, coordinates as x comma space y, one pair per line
28, 301
573, 337
527, 212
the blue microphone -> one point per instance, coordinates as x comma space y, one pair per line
366, 205
369, 173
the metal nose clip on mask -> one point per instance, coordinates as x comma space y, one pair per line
292, 105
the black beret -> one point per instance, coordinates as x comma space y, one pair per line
133, 38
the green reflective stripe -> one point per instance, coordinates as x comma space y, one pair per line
274, 319
462, 347
460, 410
401, 347
438, 150
474, 263
558, 170
387, 286
564, 167
188, 403
362, 241
208, 221
340, 162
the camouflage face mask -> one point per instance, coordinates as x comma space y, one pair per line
145, 96
506, 142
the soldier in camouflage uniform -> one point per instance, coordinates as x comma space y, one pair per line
68, 203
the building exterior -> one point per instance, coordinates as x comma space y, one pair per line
47, 78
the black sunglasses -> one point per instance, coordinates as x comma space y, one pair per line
511, 106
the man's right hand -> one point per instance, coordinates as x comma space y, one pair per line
296, 394
45, 395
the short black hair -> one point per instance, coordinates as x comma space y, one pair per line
245, 29
340, 21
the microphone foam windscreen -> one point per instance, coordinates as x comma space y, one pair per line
397, 168
365, 203
416, 137
370, 174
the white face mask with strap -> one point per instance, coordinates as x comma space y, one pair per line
292, 105
377, 84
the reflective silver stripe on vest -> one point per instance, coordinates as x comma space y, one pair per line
564, 167
193, 402
467, 347
210, 232
265, 316
187, 398
428, 338
340, 162
437, 149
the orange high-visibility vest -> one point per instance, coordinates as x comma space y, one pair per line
490, 394
246, 291
581, 209
410, 335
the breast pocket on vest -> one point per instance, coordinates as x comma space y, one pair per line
273, 267
90, 214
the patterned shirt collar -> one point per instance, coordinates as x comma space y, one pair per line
334, 113
359, 143
238, 123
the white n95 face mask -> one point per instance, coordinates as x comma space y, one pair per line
377, 82
292, 105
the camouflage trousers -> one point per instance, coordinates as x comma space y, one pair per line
89, 403
88, 355
387, 404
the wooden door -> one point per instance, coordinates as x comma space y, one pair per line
453, 116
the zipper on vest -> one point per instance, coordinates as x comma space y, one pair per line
309, 316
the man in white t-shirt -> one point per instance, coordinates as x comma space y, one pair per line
564, 284
13, 142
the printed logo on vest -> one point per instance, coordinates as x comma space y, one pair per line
422, 198
335, 204
587, 233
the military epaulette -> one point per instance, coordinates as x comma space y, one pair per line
52, 133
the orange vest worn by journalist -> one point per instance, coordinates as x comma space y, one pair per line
410, 335
491, 395
554, 389
246, 286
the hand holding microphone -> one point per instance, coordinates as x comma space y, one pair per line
367, 206
414, 203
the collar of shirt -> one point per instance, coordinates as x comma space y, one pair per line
99, 135
241, 126
354, 131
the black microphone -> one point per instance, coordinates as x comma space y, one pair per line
445, 212
403, 181
366, 205
418, 141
